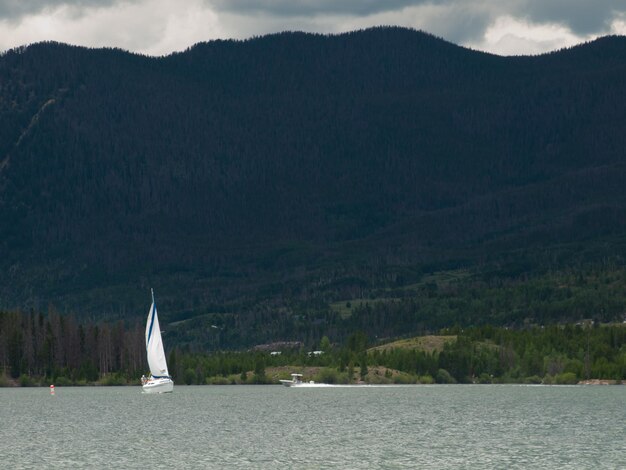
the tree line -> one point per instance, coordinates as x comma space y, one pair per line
556, 354
37, 349
34, 346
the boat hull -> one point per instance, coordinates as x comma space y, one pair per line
158, 386
290, 383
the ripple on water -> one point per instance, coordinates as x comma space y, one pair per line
269, 427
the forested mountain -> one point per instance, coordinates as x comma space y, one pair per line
258, 181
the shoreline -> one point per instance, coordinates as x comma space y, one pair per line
593, 382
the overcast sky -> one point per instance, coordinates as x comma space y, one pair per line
158, 27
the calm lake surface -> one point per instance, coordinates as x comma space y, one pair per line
267, 427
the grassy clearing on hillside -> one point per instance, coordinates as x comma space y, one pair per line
427, 344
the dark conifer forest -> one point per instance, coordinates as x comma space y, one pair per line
295, 185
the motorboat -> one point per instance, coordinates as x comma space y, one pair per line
296, 381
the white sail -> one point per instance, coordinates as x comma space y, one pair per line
154, 344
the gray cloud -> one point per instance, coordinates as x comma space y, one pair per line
160, 26
312, 7
472, 16
15, 9
582, 16
459, 20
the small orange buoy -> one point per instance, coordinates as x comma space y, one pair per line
51, 389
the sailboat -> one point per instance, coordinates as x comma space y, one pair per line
159, 380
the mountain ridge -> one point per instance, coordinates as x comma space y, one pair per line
235, 167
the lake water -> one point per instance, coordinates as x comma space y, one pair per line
268, 427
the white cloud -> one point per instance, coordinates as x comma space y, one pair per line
618, 25
512, 36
